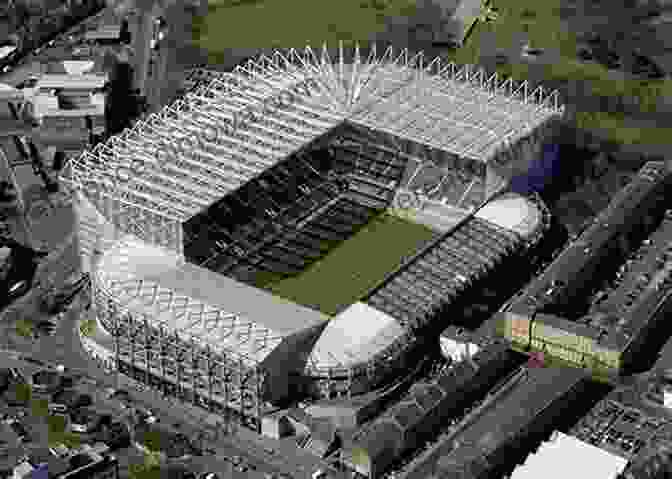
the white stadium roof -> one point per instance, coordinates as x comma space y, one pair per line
199, 304
354, 337
512, 212
459, 109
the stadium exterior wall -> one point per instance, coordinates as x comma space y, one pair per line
328, 383
180, 367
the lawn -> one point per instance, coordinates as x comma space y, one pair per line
541, 22
292, 23
58, 433
24, 327
355, 266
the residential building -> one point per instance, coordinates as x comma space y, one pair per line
569, 314
634, 423
498, 432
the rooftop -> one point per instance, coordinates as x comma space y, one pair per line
442, 270
628, 421
513, 409
197, 302
579, 255
639, 286
575, 456
354, 336
441, 105
72, 82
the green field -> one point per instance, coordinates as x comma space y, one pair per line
292, 23
540, 21
353, 267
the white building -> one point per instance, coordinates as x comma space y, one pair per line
568, 457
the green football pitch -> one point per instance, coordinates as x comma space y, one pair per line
353, 267
293, 23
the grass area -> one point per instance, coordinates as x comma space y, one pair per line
292, 23
150, 469
58, 434
541, 23
612, 127
24, 327
87, 327
21, 393
40, 407
355, 266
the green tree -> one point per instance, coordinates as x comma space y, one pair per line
23, 392
24, 328
40, 407
152, 440
87, 327
57, 434
144, 471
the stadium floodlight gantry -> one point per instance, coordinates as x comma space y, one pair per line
246, 158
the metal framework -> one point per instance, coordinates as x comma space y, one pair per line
235, 140
241, 123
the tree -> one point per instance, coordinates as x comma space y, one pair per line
145, 471
88, 327
24, 328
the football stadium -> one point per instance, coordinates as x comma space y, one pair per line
327, 209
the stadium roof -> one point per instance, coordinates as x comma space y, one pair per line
354, 337
199, 304
248, 120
